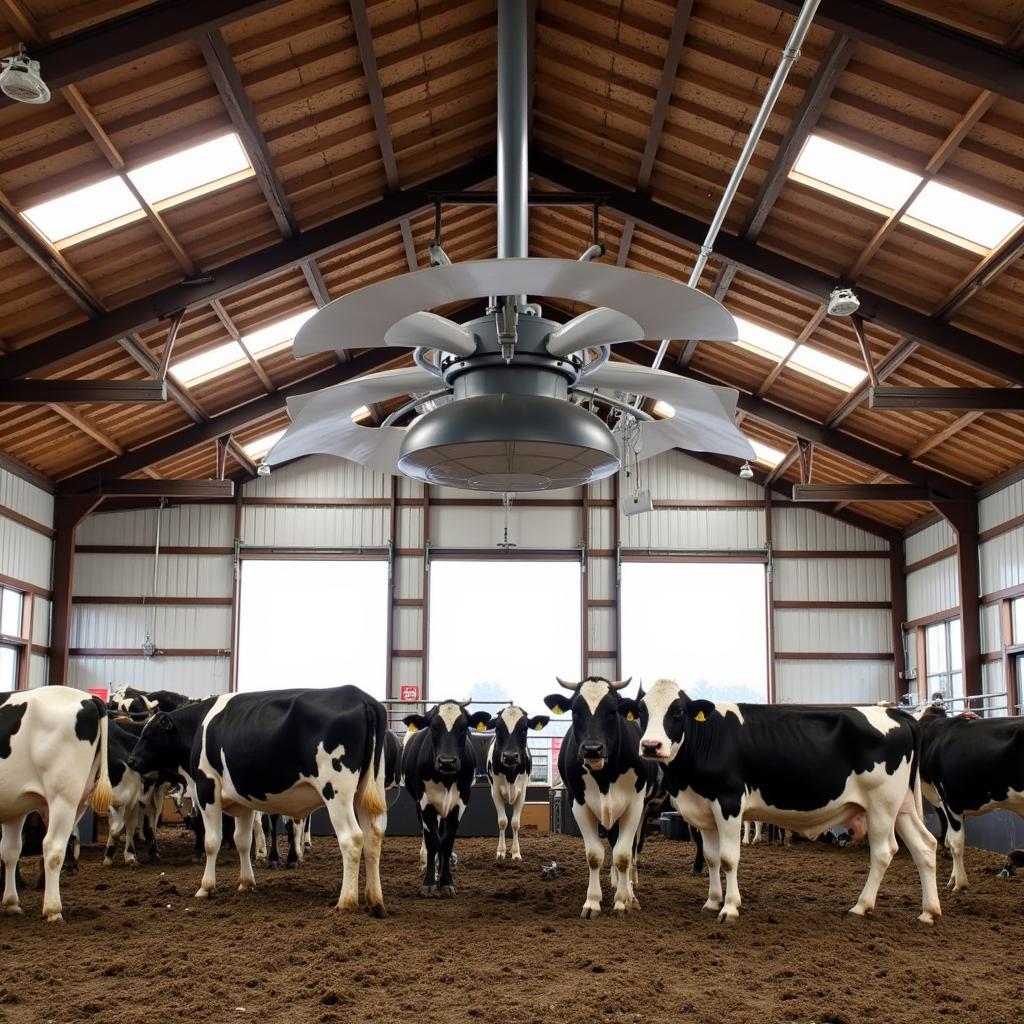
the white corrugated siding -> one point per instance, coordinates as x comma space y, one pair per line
38, 671
833, 630
695, 529
41, 621
315, 527
180, 525
992, 682
676, 477
132, 575
320, 476
932, 589
125, 626
823, 579
803, 529
991, 639
833, 682
194, 677
26, 498
932, 539
529, 527
1001, 507
1002, 561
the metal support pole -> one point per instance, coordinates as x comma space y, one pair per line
513, 175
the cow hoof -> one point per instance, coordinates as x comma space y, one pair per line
500, 856
448, 892
202, 894
376, 910
517, 858
292, 865
428, 891
728, 915
696, 872
14, 910
591, 911
926, 917
246, 886
711, 907
634, 903
107, 862
859, 911
347, 906
57, 918
272, 865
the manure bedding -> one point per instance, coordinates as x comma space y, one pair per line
139, 949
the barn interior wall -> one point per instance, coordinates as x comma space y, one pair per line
26, 561
832, 620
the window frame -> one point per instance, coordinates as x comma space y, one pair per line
956, 695
20, 643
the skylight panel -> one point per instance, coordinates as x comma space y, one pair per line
214, 360
962, 215
833, 370
258, 448
762, 340
279, 333
191, 168
766, 455
85, 208
856, 173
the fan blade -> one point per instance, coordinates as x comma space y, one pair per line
431, 331
602, 326
705, 414
663, 308
322, 420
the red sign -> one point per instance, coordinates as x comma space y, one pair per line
409, 693
100, 691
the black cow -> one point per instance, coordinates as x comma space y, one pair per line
439, 764
392, 761
970, 766
808, 769
289, 752
612, 788
508, 769
139, 703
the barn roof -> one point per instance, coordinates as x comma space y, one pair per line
356, 116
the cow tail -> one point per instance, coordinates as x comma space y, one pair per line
373, 798
103, 793
915, 772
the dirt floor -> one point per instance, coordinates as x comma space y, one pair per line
511, 947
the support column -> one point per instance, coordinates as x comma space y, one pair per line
68, 512
769, 598
898, 611
963, 517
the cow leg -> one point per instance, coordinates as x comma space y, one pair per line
595, 857
445, 884
758, 826
882, 838
517, 817
729, 831
957, 838
62, 819
243, 844
373, 842
117, 822
711, 855
341, 809
921, 843
499, 807
943, 827
307, 833
259, 838
198, 842
697, 868
428, 848
292, 860
273, 860
10, 851
746, 833
213, 833
622, 858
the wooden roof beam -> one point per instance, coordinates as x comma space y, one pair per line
92, 392
348, 229
140, 32
165, 489
805, 280
937, 46
957, 399
864, 492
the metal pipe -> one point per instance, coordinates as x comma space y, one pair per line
638, 414
513, 211
415, 403
789, 57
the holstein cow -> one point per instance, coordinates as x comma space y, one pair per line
807, 769
508, 768
611, 786
970, 766
139, 703
439, 764
52, 740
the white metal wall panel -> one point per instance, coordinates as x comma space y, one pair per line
601, 527
408, 671
408, 576
932, 589
673, 476
991, 634
132, 575
24, 553
601, 630
194, 677
320, 476
833, 630
125, 626
823, 579
600, 667
910, 647
695, 529
1001, 507
408, 629
26, 498
41, 621
456, 493
601, 578
833, 682
803, 529
934, 538
1002, 561
38, 671
992, 682
180, 525
410, 527
460, 527
323, 527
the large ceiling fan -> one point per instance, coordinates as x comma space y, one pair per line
509, 396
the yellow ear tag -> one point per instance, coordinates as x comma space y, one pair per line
700, 717
557, 709
410, 728
480, 727
630, 717
538, 727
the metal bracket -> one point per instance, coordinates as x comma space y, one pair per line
172, 337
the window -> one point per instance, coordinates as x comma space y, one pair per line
173, 179
809, 361
313, 623
944, 660
258, 448
12, 636
869, 181
500, 631
679, 617
1017, 620
766, 455
277, 335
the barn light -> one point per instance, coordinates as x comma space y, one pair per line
263, 469
746, 471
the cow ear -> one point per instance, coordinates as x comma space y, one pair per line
558, 702
414, 722
700, 710
164, 721
481, 721
629, 709
537, 722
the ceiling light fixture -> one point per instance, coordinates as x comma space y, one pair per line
746, 471
20, 79
842, 301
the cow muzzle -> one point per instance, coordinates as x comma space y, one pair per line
447, 765
593, 755
510, 761
653, 750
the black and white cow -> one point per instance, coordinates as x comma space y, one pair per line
139, 703
508, 768
807, 769
970, 766
611, 786
438, 765
289, 752
52, 740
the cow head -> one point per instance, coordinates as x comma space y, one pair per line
665, 713
159, 750
596, 707
510, 731
130, 701
448, 725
